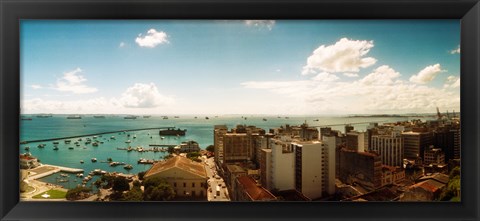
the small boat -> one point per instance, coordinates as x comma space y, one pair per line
128, 141
264, 119
162, 138
81, 161
176, 117
128, 167
206, 118
195, 117
112, 137
130, 117
62, 180
64, 175
55, 148
70, 148
134, 136
79, 175
165, 117
98, 116
146, 116
95, 144
74, 117
315, 120
77, 145
27, 148
94, 160
41, 145
26, 118
67, 141
55, 142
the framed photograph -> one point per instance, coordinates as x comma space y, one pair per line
239, 110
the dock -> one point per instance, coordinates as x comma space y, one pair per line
47, 170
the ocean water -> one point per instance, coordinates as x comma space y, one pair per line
199, 130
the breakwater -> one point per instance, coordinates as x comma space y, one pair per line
86, 135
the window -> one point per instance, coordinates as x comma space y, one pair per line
175, 184
184, 184
193, 184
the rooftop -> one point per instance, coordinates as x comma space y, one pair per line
256, 193
235, 168
429, 185
179, 162
439, 177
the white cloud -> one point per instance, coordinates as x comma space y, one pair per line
456, 50
261, 23
73, 82
343, 56
152, 38
325, 77
452, 82
36, 86
351, 75
427, 74
381, 91
121, 45
97, 105
136, 99
144, 96
383, 75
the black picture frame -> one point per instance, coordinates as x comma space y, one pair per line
12, 11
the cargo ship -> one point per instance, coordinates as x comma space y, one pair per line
173, 132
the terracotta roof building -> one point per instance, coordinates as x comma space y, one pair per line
187, 178
248, 190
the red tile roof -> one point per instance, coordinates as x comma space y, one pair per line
256, 193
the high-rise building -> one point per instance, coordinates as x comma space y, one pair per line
278, 171
314, 168
364, 168
325, 131
389, 147
414, 143
237, 147
433, 155
218, 132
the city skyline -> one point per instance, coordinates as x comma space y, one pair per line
240, 67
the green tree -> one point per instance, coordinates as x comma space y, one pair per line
210, 148
452, 191
135, 194
78, 193
141, 175
157, 189
108, 180
120, 184
193, 154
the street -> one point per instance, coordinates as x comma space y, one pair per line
213, 181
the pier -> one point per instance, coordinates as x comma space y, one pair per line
87, 135
47, 170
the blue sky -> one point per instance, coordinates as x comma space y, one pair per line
240, 67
